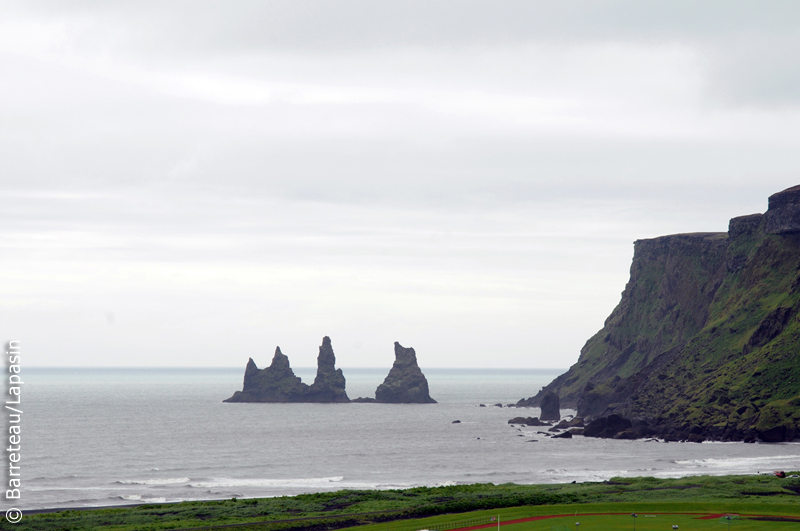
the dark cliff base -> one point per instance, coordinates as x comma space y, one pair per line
618, 427
705, 342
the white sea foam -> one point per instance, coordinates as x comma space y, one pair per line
736, 462
334, 482
139, 498
155, 481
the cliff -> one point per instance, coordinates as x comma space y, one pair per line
277, 383
405, 383
705, 341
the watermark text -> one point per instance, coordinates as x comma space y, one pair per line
13, 408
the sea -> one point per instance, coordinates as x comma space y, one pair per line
102, 437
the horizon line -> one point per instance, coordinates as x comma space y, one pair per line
297, 367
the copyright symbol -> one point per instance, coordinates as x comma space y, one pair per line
13, 515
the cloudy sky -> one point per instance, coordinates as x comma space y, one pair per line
192, 183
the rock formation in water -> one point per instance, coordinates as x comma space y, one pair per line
329, 385
528, 421
277, 383
405, 383
550, 406
705, 342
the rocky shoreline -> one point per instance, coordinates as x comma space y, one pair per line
618, 427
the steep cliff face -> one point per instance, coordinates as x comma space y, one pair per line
405, 383
783, 214
277, 383
673, 280
706, 337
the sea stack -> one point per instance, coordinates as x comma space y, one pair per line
405, 383
278, 383
329, 385
551, 409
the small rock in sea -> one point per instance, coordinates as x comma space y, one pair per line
456, 422
573, 482
520, 435
498, 405
483, 405
532, 440
479, 438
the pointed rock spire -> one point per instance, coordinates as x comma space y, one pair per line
405, 383
278, 383
329, 385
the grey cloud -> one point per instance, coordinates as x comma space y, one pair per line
749, 48
200, 26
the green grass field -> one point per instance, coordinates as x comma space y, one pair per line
680, 502
688, 516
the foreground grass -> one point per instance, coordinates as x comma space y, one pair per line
392, 510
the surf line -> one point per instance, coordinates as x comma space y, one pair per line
14, 420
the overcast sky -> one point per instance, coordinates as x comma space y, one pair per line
192, 183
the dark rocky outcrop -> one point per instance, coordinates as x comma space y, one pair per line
550, 406
531, 401
405, 383
576, 422
329, 384
704, 341
528, 421
606, 427
783, 214
278, 383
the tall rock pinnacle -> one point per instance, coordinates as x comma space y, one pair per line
329, 385
405, 383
